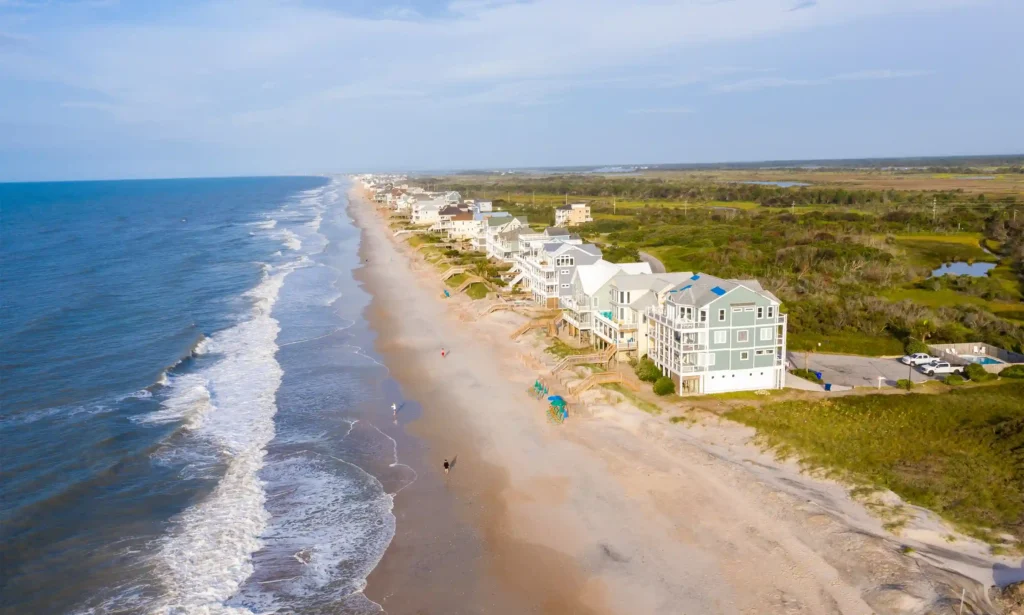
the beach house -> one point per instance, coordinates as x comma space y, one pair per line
572, 214
619, 321
547, 261
589, 294
427, 211
712, 335
503, 248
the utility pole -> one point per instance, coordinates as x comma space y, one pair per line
933, 211
792, 207
685, 203
613, 206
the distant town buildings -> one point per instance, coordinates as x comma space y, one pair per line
572, 214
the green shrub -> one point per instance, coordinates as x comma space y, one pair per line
903, 383
954, 380
977, 373
806, 374
664, 386
1014, 371
913, 346
647, 371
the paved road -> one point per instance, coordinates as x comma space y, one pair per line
852, 370
656, 265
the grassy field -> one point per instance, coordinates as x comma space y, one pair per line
946, 298
960, 453
476, 291
933, 250
455, 280
845, 343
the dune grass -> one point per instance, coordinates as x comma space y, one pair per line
455, 280
959, 453
561, 350
634, 399
476, 291
851, 343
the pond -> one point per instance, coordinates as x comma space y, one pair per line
779, 184
976, 270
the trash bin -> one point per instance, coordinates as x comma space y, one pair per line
818, 374
828, 386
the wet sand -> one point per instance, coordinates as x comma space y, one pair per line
614, 512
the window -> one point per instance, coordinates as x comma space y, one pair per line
771, 311
760, 312
720, 337
565, 286
711, 359
737, 309
744, 356
721, 314
703, 315
742, 335
766, 334
748, 309
565, 272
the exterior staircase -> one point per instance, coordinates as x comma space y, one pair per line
470, 280
550, 322
597, 358
453, 271
598, 379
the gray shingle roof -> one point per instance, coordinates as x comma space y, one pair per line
702, 289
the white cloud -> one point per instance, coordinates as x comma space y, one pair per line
668, 110
761, 83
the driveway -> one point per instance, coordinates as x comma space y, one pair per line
656, 265
856, 371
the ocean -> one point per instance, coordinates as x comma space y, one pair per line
193, 419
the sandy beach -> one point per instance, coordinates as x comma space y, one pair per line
616, 511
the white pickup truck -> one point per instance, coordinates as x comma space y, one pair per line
941, 367
918, 358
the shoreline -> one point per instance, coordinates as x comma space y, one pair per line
616, 511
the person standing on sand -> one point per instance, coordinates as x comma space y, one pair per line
443, 353
446, 466
394, 410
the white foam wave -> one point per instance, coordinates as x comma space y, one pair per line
332, 523
208, 553
266, 224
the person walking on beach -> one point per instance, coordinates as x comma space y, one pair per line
444, 353
394, 410
446, 466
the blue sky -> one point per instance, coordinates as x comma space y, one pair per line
116, 89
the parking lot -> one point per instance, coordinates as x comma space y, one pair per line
851, 370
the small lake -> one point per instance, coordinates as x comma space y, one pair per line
779, 184
976, 270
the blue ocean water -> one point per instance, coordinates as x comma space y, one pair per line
188, 409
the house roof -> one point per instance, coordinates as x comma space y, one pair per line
593, 277
635, 267
701, 289
451, 210
554, 231
564, 207
649, 281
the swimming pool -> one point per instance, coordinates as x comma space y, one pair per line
983, 360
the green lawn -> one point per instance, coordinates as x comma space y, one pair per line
561, 350
959, 453
455, 280
845, 343
933, 250
947, 298
476, 291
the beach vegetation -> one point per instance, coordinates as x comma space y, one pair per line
954, 380
476, 291
634, 399
560, 349
977, 373
959, 453
1013, 371
664, 386
914, 346
905, 383
647, 370
806, 374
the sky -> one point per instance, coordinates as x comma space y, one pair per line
93, 89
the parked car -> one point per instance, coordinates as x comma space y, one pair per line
918, 358
941, 367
